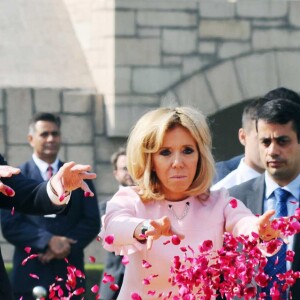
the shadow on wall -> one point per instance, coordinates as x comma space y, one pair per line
224, 127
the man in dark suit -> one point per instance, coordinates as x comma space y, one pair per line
18, 193
278, 129
53, 237
113, 263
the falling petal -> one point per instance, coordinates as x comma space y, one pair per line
125, 260
95, 288
92, 259
109, 239
34, 276
114, 287
233, 203
27, 249
175, 240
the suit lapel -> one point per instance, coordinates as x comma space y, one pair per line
34, 171
255, 195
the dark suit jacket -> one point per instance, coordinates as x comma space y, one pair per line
224, 167
113, 266
252, 194
81, 223
31, 197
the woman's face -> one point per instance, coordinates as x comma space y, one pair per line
175, 163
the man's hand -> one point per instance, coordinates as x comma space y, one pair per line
71, 177
7, 171
59, 247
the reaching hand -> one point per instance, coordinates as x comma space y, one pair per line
7, 171
160, 227
70, 177
59, 247
265, 230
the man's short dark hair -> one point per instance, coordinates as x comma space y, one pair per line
250, 111
43, 116
283, 93
281, 111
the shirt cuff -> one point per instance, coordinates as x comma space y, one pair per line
55, 199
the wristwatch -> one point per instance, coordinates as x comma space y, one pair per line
145, 227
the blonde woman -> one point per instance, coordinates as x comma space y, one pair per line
169, 158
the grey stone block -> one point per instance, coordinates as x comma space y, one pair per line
225, 29
77, 102
18, 100
288, 68
154, 80
47, 100
216, 9
165, 18
257, 74
178, 41
81, 154
134, 51
262, 9
16, 155
224, 83
125, 23
195, 92
77, 129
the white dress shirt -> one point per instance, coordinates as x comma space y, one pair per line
241, 174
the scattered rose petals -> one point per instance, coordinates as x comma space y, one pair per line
175, 240
114, 287
109, 239
92, 259
125, 260
146, 265
27, 249
107, 278
34, 276
135, 296
233, 203
95, 288
79, 291
12, 211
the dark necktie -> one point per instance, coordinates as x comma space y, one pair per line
272, 268
49, 172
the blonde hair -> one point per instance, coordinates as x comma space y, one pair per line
146, 138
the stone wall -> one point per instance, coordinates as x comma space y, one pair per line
208, 53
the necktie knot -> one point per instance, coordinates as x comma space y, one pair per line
49, 171
281, 195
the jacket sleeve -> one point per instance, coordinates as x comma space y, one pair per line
30, 196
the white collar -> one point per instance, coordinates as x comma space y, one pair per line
43, 166
292, 187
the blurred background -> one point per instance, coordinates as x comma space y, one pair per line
101, 64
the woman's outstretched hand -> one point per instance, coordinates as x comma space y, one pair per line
71, 177
7, 171
265, 230
160, 227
